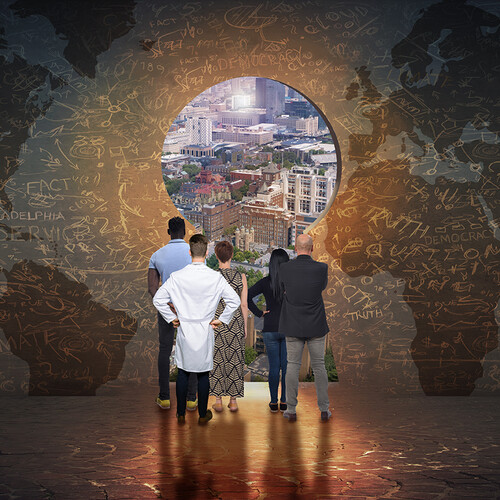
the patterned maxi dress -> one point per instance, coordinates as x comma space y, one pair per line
226, 378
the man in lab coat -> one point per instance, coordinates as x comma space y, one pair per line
195, 292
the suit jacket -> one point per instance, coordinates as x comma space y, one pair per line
303, 311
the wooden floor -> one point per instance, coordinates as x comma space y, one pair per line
121, 445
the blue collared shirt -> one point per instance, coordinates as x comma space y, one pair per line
172, 257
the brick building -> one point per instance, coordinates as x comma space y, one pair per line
272, 225
216, 217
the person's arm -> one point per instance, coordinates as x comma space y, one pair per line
162, 300
254, 291
153, 281
244, 304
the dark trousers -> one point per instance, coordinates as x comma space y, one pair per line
181, 389
166, 336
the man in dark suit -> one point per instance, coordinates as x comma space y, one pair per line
303, 319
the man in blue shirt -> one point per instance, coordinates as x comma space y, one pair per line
172, 257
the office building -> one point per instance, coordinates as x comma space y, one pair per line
215, 217
245, 135
308, 126
307, 193
199, 130
270, 95
272, 225
243, 117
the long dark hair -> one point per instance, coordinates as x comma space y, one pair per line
278, 256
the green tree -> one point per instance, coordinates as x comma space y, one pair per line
331, 369
212, 262
238, 256
173, 185
250, 355
261, 302
321, 171
191, 170
228, 231
289, 156
252, 276
248, 256
238, 194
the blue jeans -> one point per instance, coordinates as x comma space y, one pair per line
276, 353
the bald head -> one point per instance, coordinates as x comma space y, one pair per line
303, 244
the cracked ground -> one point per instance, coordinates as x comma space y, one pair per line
121, 445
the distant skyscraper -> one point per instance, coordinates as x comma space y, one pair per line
270, 94
236, 86
199, 130
240, 101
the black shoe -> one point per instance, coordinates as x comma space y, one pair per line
274, 407
292, 417
181, 419
325, 415
283, 406
206, 418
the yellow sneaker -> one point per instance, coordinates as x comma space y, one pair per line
192, 405
164, 404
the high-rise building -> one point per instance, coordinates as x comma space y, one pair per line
270, 95
300, 108
199, 130
239, 101
307, 193
236, 86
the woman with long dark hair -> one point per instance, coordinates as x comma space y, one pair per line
274, 340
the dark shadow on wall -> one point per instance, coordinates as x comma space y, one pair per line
90, 27
72, 344
431, 232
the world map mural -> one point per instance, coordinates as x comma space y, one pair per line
410, 92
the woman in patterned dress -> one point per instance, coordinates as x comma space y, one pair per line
226, 378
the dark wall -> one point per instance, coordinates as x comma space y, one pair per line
411, 91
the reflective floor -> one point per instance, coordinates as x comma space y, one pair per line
124, 446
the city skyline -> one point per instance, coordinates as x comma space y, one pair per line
252, 153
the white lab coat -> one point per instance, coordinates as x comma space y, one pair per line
195, 291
